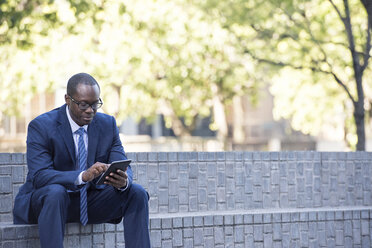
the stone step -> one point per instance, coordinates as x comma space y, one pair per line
209, 181
290, 199
348, 227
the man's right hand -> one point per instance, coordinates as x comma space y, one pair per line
94, 171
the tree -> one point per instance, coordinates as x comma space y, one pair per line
22, 20
327, 41
152, 57
34, 38
177, 63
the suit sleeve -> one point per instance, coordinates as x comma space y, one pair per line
117, 151
40, 159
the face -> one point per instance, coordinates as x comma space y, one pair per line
84, 93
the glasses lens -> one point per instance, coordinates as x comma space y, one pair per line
97, 105
83, 106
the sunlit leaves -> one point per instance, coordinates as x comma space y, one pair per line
309, 36
310, 107
169, 55
174, 57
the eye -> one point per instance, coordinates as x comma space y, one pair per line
84, 105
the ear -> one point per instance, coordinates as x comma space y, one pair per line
67, 100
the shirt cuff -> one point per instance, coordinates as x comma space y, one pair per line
79, 179
124, 188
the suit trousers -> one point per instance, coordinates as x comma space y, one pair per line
52, 207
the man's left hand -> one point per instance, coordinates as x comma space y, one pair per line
118, 180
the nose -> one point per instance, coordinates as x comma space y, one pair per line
89, 109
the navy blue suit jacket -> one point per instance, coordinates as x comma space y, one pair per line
51, 157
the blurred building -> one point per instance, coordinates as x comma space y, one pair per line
259, 131
13, 129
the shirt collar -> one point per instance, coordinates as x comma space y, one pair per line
74, 126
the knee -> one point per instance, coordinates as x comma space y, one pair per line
138, 194
55, 194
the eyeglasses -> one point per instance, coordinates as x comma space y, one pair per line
85, 106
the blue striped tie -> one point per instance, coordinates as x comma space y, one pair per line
82, 154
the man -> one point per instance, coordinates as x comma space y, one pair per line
67, 149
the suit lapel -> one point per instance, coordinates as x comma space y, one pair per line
93, 137
64, 129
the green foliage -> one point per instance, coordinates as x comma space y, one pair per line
151, 57
177, 57
22, 20
168, 60
305, 41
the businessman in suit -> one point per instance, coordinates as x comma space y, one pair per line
67, 149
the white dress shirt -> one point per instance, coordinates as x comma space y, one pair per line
74, 128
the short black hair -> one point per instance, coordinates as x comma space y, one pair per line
80, 78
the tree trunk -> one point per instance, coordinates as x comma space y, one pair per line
359, 122
177, 125
358, 74
368, 6
238, 125
220, 117
359, 112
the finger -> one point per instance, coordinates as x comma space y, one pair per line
93, 169
102, 169
100, 166
116, 182
113, 179
121, 173
97, 172
115, 176
121, 176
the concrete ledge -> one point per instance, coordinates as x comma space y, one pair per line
220, 181
326, 227
227, 199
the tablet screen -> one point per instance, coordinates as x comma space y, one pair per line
114, 166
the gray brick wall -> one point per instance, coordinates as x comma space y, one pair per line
305, 228
192, 182
228, 199
12, 176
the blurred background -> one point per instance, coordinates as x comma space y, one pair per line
195, 75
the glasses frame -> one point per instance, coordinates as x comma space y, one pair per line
99, 103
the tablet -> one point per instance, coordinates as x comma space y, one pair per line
114, 166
